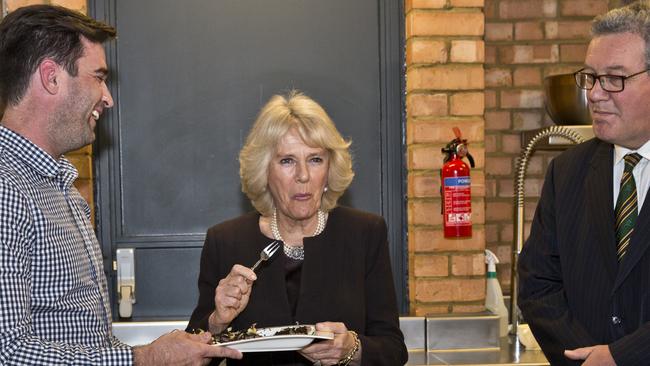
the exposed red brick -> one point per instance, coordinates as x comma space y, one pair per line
498, 32
491, 144
507, 231
520, 9
522, 54
567, 29
426, 105
466, 3
421, 51
431, 266
533, 187
490, 99
506, 187
527, 76
440, 130
491, 233
588, 8
452, 77
424, 4
467, 51
429, 290
433, 240
522, 98
497, 120
529, 31
511, 143
468, 265
467, 104
428, 309
499, 211
490, 55
424, 185
467, 308
499, 166
573, 52
527, 120
490, 9
424, 213
498, 77
425, 157
444, 24
490, 189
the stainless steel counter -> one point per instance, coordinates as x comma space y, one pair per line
509, 353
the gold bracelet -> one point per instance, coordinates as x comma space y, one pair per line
348, 358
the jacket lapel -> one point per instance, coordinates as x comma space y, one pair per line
600, 207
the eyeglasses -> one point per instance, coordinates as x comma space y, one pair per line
610, 83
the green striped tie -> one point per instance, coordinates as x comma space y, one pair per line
626, 206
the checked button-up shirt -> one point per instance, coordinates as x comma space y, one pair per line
54, 305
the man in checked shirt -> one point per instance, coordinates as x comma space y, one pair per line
54, 306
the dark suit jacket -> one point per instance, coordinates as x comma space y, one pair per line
346, 277
573, 291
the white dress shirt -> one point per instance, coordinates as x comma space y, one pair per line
641, 172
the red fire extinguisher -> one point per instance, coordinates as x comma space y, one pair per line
455, 188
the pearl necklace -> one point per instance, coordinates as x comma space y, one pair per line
295, 252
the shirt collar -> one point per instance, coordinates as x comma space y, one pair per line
620, 152
35, 157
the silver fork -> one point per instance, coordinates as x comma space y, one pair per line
267, 253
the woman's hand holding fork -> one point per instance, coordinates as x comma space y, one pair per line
231, 297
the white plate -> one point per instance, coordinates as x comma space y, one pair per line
268, 342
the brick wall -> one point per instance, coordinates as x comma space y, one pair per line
526, 40
444, 88
82, 158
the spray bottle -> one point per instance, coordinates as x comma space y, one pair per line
494, 296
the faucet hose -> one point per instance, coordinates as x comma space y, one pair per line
522, 165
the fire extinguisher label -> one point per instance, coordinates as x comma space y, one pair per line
458, 202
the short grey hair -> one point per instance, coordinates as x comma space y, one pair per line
633, 18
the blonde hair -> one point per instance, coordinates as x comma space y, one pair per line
277, 117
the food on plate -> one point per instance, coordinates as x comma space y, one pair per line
294, 330
229, 335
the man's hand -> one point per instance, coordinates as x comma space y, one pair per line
180, 348
593, 356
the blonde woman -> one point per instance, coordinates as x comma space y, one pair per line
333, 269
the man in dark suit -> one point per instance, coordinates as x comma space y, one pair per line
585, 270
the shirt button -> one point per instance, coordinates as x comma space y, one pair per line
616, 320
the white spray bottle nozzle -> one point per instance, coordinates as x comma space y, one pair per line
494, 295
491, 260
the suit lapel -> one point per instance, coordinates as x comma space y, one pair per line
638, 244
600, 207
